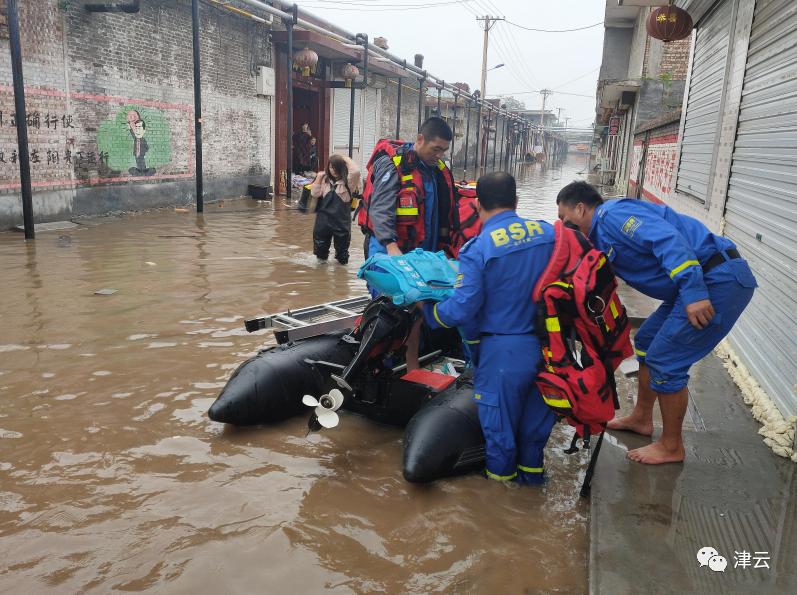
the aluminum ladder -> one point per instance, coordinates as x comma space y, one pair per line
312, 320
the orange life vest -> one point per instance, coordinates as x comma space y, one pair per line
469, 224
410, 203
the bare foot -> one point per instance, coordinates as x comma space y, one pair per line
657, 454
630, 423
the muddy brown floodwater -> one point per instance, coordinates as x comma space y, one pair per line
113, 478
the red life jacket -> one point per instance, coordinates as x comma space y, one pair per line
469, 225
410, 204
585, 333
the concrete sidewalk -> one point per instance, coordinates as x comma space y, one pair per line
732, 493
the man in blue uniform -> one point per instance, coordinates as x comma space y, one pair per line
703, 283
493, 298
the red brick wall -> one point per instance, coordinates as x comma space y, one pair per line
675, 59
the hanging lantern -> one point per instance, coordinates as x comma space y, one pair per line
669, 23
349, 73
305, 60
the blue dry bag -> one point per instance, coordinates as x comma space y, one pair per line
413, 277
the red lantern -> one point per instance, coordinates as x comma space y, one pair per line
349, 73
305, 60
669, 23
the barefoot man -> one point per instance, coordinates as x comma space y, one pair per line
704, 285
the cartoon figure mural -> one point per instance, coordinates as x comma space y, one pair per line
137, 140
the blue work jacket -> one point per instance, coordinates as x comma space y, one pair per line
497, 273
654, 249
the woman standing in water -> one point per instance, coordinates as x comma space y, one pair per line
334, 189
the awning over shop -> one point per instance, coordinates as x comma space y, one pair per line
331, 49
610, 95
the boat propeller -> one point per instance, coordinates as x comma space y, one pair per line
324, 414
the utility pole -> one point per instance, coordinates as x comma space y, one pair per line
545, 93
488, 24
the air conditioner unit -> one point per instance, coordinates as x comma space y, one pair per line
264, 81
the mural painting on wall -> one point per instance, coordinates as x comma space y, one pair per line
137, 141
659, 167
83, 139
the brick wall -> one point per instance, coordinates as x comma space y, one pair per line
110, 106
675, 59
409, 108
3, 20
409, 118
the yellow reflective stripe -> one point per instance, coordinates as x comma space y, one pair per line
640, 353
613, 308
406, 178
437, 318
406, 210
682, 266
474, 342
552, 325
562, 284
397, 159
601, 262
441, 164
560, 403
530, 469
492, 475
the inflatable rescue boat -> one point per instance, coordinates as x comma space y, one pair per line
349, 355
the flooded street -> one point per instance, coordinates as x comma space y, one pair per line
113, 478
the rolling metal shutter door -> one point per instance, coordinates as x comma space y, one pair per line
761, 208
701, 124
370, 125
340, 119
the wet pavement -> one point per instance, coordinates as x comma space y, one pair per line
731, 494
113, 478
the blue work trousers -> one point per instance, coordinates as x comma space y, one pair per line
669, 344
515, 420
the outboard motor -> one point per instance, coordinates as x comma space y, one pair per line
382, 328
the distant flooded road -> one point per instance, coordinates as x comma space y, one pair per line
113, 478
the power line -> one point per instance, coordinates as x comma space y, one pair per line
529, 92
552, 30
377, 8
488, 6
578, 77
470, 9
495, 8
510, 34
506, 56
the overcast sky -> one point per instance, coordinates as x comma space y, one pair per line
450, 38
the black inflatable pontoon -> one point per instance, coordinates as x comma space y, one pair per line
443, 435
